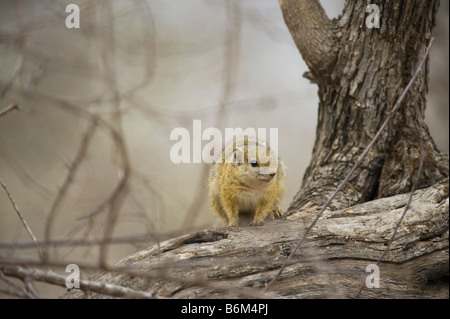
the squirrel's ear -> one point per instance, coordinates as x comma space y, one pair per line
239, 155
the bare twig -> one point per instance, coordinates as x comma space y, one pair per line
12, 288
119, 142
231, 50
125, 172
15, 293
22, 219
8, 265
28, 284
9, 108
53, 278
77, 243
141, 238
114, 199
355, 166
69, 179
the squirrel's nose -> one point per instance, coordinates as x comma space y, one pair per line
269, 177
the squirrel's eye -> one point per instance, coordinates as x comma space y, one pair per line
254, 164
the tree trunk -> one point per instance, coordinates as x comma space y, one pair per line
372, 67
360, 72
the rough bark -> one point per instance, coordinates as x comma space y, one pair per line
360, 73
313, 34
238, 262
371, 69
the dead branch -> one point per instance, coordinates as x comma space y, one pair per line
50, 277
68, 181
331, 263
9, 108
14, 267
21, 217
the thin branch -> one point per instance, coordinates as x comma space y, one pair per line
231, 51
312, 33
108, 56
22, 219
28, 284
142, 238
53, 278
355, 166
135, 270
69, 179
77, 243
119, 142
9, 108
14, 293
123, 176
12, 288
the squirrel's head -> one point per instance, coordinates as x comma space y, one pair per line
255, 163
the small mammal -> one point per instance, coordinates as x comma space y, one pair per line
249, 180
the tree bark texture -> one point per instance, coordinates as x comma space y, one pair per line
360, 72
372, 67
239, 262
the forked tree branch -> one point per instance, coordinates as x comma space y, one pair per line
312, 33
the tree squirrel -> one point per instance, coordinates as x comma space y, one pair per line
247, 182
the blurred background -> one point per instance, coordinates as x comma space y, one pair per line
106, 96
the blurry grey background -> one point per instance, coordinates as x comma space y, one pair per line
149, 67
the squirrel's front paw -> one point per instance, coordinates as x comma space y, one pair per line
278, 212
257, 223
232, 223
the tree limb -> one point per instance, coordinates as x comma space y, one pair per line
312, 33
331, 263
53, 278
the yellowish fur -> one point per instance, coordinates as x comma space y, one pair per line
249, 180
